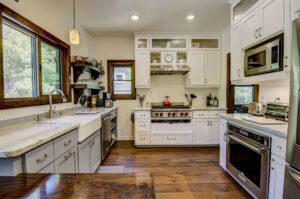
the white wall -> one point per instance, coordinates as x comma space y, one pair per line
268, 91
117, 48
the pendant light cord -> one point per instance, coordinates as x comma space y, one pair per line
74, 10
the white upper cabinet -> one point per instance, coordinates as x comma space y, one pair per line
205, 69
250, 28
236, 53
271, 18
169, 43
142, 69
212, 68
142, 43
262, 22
296, 6
197, 62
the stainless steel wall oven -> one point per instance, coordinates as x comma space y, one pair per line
248, 156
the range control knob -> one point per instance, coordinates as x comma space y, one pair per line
173, 114
181, 114
169, 114
186, 114
161, 114
156, 114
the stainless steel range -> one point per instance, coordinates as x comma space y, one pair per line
177, 111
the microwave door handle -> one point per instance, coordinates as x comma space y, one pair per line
246, 144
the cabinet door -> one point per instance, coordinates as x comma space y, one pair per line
222, 160
197, 63
142, 69
214, 131
67, 163
212, 68
250, 26
48, 169
236, 53
271, 18
141, 43
95, 153
84, 157
296, 6
200, 132
276, 177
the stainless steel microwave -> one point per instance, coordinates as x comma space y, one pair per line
264, 58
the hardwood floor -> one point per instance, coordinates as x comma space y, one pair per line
182, 173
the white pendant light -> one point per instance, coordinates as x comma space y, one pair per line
74, 33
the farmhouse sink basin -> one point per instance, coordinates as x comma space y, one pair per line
89, 124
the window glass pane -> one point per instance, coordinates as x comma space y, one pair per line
51, 64
18, 53
122, 87
122, 73
243, 95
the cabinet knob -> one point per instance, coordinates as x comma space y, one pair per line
40, 160
272, 168
279, 147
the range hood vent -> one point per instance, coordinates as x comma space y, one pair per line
169, 69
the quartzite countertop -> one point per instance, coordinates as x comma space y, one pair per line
108, 186
277, 130
18, 139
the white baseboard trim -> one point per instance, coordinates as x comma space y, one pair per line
125, 138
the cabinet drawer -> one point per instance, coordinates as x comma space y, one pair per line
65, 143
142, 139
279, 146
67, 163
201, 114
142, 115
142, 126
39, 158
215, 114
48, 169
179, 139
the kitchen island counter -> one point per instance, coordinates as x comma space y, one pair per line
98, 186
277, 130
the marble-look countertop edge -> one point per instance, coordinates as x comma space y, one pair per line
263, 128
36, 143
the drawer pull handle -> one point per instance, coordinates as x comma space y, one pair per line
67, 143
171, 138
92, 143
66, 157
40, 160
279, 147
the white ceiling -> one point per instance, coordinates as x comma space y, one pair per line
112, 17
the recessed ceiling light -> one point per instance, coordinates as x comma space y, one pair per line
190, 17
135, 17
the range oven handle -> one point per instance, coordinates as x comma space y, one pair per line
259, 150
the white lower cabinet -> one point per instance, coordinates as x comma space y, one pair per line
48, 169
222, 157
172, 139
89, 153
206, 131
67, 163
276, 181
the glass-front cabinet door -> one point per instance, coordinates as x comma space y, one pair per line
197, 43
170, 43
142, 43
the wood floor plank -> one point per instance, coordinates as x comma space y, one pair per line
179, 173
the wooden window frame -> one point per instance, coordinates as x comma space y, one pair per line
121, 63
230, 88
41, 35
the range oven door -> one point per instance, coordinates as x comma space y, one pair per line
248, 162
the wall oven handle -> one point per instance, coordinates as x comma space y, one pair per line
246, 144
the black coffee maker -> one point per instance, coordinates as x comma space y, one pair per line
107, 101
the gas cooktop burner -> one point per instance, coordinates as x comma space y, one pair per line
175, 111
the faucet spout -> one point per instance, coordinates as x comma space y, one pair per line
63, 97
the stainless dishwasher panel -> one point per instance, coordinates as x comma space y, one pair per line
106, 135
